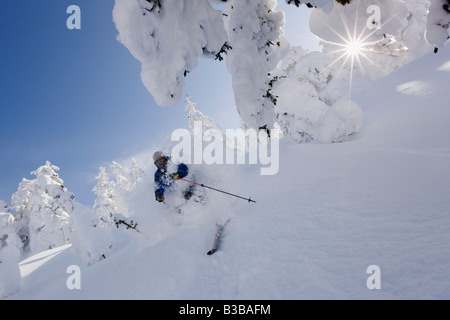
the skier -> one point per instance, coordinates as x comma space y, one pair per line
163, 179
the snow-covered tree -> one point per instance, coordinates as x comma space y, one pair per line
438, 22
167, 37
195, 115
298, 113
43, 207
413, 35
10, 243
4, 207
111, 194
312, 90
200, 125
10, 252
255, 33
9, 228
136, 172
104, 204
121, 174
127, 177
92, 239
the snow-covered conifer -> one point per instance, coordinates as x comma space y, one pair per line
104, 204
167, 37
438, 22
121, 174
136, 172
194, 115
10, 243
127, 178
43, 208
10, 252
255, 33
413, 35
311, 93
112, 193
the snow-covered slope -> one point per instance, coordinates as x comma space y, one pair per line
331, 212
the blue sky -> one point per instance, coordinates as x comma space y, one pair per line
75, 98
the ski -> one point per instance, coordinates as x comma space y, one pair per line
218, 238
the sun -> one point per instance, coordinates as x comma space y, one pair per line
354, 47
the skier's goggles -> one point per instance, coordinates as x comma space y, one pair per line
161, 161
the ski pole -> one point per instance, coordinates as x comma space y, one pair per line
231, 194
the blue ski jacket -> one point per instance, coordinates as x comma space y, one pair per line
162, 180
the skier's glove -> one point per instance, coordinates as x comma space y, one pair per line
160, 198
174, 176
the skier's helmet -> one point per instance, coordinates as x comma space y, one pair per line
158, 155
